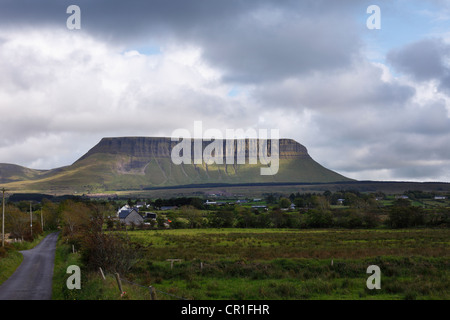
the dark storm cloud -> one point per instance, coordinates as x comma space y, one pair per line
135, 15
424, 60
250, 41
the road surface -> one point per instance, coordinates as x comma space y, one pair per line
33, 278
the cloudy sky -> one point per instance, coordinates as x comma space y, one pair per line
372, 104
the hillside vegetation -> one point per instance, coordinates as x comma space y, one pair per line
117, 164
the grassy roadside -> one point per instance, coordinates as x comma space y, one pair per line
93, 286
9, 263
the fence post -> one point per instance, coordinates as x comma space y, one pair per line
152, 292
172, 261
101, 272
119, 283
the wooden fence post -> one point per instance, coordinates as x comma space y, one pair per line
101, 272
172, 261
152, 292
119, 283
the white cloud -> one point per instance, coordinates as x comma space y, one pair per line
294, 66
61, 83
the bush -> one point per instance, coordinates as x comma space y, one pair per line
319, 219
3, 252
179, 223
404, 217
111, 252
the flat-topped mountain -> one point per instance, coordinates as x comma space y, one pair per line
133, 163
162, 147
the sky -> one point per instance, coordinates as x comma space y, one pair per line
371, 104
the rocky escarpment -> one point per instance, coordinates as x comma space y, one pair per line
140, 163
151, 147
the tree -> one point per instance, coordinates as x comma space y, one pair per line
112, 252
197, 203
222, 219
278, 218
299, 202
75, 217
319, 219
16, 222
193, 215
159, 203
285, 203
51, 214
404, 217
321, 203
401, 202
245, 217
270, 199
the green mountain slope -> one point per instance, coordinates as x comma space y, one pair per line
133, 163
11, 172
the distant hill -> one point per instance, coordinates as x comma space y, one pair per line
11, 172
135, 163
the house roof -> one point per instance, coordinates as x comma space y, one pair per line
125, 213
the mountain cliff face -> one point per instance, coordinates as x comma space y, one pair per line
133, 146
146, 147
133, 163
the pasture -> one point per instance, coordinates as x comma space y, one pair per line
246, 264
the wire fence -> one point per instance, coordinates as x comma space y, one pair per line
151, 289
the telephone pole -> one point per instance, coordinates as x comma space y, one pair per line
42, 218
31, 221
3, 218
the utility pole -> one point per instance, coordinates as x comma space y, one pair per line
31, 221
42, 218
3, 218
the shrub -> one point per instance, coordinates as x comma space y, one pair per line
319, 219
112, 252
3, 252
404, 217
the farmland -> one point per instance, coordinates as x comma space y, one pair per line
251, 249
287, 264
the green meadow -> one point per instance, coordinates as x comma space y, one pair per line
279, 264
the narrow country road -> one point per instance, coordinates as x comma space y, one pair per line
33, 278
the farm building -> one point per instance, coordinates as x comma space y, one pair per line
141, 204
130, 216
150, 215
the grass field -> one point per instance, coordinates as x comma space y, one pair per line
244, 264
